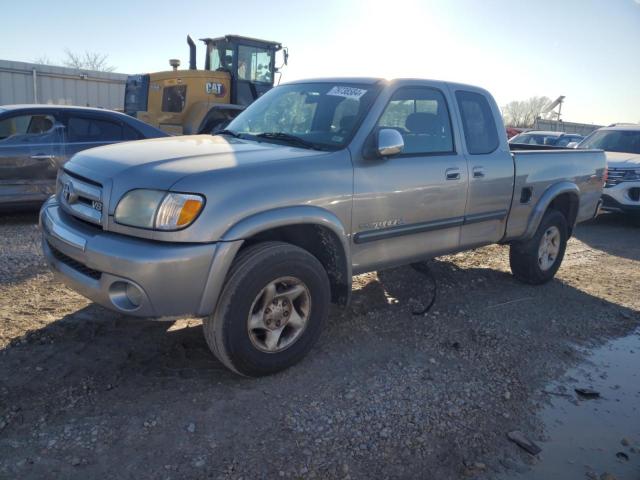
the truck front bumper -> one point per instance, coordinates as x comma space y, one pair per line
131, 275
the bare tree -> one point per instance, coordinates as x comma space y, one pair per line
43, 60
524, 113
88, 61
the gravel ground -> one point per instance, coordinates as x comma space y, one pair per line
87, 393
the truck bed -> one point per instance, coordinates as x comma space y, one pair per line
536, 169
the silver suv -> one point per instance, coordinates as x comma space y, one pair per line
622, 146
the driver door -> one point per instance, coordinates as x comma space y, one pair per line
410, 206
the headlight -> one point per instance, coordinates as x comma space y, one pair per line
156, 209
631, 176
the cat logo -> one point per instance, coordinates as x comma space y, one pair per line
214, 88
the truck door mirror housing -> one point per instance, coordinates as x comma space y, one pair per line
390, 142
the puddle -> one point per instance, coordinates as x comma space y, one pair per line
585, 435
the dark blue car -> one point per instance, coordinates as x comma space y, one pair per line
36, 140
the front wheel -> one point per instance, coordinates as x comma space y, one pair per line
537, 260
271, 310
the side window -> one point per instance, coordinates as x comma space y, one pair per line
27, 129
84, 129
129, 133
478, 123
254, 64
173, 98
422, 118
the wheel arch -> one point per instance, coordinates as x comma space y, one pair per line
314, 229
562, 196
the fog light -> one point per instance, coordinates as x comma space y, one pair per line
126, 296
134, 294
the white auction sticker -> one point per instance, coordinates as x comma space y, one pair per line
347, 92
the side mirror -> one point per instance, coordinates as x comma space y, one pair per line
390, 142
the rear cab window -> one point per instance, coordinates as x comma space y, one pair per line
478, 124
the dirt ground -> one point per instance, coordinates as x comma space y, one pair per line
87, 393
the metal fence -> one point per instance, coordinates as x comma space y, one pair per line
22, 82
567, 127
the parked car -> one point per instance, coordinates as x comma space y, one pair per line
513, 131
556, 139
258, 228
622, 146
36, 140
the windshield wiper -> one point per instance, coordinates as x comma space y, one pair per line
290, 139
228, 132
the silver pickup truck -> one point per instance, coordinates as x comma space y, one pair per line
259, 228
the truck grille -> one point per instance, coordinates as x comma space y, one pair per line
76, 265
617, 175
80, 197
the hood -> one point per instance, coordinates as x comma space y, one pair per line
623, 160
161, 162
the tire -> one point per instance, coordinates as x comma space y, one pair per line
279, 271
527, 263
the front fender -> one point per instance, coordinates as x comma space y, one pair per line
232, 240
281, 217
541, 207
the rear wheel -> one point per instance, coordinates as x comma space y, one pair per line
537, 260
271, 310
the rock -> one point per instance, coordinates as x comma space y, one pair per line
191, 427
523, 442
625, 441
587, 392
507, 395
75, 461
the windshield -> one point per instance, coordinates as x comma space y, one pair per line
323, 114
626, 141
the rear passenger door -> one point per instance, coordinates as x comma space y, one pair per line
491, 170
411, 205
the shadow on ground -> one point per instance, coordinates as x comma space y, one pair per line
437, 382
613, 233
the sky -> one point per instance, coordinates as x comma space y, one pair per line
587, 50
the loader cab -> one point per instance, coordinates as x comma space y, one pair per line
250, 63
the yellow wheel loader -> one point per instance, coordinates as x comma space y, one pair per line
237, 70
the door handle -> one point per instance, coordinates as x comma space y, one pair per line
41, 156
478, 172
452, 174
